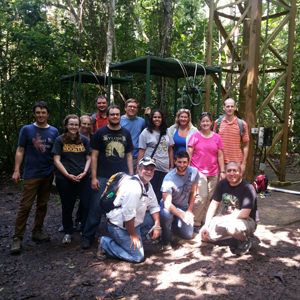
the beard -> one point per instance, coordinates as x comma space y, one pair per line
183, 169
146, 177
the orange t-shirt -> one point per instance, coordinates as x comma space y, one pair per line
231, 137
100, 122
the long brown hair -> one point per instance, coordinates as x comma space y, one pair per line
65, 138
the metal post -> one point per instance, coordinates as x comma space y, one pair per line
79, 96
175, 96
148, 84
60, 107
219, 93
70, 94
109, 83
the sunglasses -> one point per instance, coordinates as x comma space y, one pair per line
205, 114
184, 110
148, 159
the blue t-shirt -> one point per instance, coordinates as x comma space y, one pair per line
135, 126
38, 143
180, 186
180, 142
72, 155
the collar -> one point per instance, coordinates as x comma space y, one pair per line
98, 116
233, 122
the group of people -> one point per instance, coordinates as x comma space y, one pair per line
182, 175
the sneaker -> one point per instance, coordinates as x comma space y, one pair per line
39, 237
243, 247
16, 245
167, 246
85, 244
61, 228
67, 239
101, 254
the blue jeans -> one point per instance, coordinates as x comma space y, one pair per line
119, 245
170, 222
68, 191
94, 216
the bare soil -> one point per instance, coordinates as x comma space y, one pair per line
55, 271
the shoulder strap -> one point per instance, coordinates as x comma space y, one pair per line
241, 125
219, 123
156, 145
135, 178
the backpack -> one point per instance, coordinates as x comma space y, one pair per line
261, 183
240, 122
112, 190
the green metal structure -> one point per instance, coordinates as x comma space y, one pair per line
165, 67
81, 78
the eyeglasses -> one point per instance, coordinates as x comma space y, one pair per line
115, 115
184, 110
205, 114
132, 107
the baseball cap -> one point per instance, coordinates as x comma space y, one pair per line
146, 161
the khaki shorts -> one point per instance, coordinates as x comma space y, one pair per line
247, 226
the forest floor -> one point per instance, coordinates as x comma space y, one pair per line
191, 271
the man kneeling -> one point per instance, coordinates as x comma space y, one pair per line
239, 211
137, 216
179, 190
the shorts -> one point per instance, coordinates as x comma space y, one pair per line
246, 226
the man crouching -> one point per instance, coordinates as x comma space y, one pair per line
137, 216
239, 214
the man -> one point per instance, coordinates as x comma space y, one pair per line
134, 124
238, 216
111, 153
35, 141
230, 132
179, 190
137, 216
99, 119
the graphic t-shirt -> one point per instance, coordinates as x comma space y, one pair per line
148, 142
38, 143
239, 197
135, 126
72, 156
112, 146
205, 156
180, 186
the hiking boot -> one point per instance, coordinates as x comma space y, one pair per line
77, 225
167, 246
85, 244
67, 239
39, 237
16, 245
243, 247
101, 254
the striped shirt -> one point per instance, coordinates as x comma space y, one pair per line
231, 138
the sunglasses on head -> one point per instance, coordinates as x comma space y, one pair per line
184, 110
205, 114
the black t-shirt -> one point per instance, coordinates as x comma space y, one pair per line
72, 156
237, 197
112, 146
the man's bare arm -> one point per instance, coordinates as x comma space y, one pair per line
18, 160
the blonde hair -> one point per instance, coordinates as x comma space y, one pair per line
182, 111
87, 117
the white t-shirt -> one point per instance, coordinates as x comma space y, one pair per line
148, 141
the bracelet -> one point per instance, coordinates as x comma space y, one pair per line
156, 227
222, 172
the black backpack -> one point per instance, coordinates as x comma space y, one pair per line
112, 190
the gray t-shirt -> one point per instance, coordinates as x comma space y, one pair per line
148, 141
180, 186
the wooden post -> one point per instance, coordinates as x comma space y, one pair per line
286, 109
252, 80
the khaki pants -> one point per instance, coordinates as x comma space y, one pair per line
206, 189
33, 187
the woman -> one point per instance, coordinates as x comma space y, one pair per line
86, 127
205, 150
155, 132
72, 159
182, 130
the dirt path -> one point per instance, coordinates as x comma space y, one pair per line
57, 271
